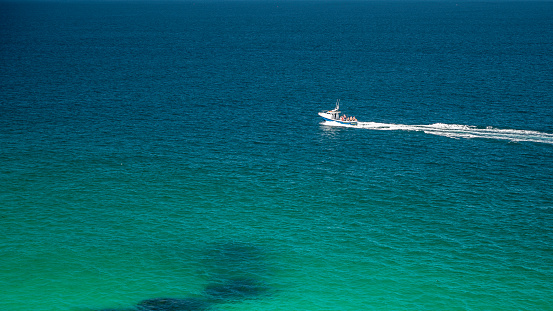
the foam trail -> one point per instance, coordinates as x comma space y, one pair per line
463, 131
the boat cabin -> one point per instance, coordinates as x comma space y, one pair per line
335, 114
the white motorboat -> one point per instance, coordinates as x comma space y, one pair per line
334, 116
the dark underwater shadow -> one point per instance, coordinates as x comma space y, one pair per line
169, 304
235, 272
173, 304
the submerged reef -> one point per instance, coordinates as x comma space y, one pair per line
235, 272
173, 304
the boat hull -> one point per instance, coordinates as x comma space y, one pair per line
328, 117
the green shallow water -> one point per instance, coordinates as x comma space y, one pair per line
172, 150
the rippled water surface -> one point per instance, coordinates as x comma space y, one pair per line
169, 156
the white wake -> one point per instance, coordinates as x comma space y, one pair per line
460, 131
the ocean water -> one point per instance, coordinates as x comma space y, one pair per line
169, 156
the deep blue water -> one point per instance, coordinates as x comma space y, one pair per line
169, 156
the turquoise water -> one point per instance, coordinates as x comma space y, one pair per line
169, 156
